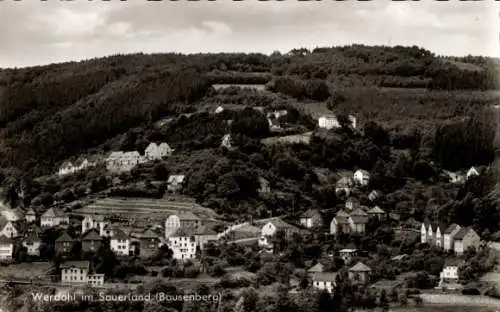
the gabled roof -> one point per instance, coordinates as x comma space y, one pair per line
148, 234
311, 213
91, 235
118, 234
317, 268
30, 212
176, 178
358, 212
5, 240
188, 216
376, 210
341, 217
53, 212
64, 238
357, 219
462, 232
75, 264
452, 227
32, 238
324, 276
360, 267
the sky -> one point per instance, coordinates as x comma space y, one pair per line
34, 32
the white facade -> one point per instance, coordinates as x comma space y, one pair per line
219, 110
123, 161
226, 141
8, 230
449, 273
362, 177
120, 246
328, 122
154, 151
472, 173
449, 239
90, 223
6, 249
268, 230
352, 120
32, 247
52, 218
324, 281
423, 234
80, 275
306, 222
183, 247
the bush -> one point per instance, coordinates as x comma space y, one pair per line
471, 291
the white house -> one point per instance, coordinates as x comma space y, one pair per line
77, 273
7, 228
311, 218
94, 222
358, 220
154, 151
226, 141
361, 177
175, 182
6, 248
449, 234
32, 244
123, 161
30, 216
273, 226
66, 168
352, 121
53, 217
472, 173
449, 276
465, 238
340, 223
120, 243
324, 281
183, 244
373, 195
328, 122
219, 110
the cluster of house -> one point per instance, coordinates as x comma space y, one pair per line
331, 122
346, 183
124, 161
118, 161
461, 177
357, 274
452, 237
83, 163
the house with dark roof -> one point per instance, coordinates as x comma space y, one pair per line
464, 239
64, 243
377, 213
449, 234
79, 273
30, 215
449, 276
311, 218
203, 235
340, 223
324, 280
183, 219
120, 243
53, 217
359, 273
358, 220
148, 242
91, 241
317, 268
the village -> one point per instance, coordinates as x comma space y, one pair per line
142, 228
